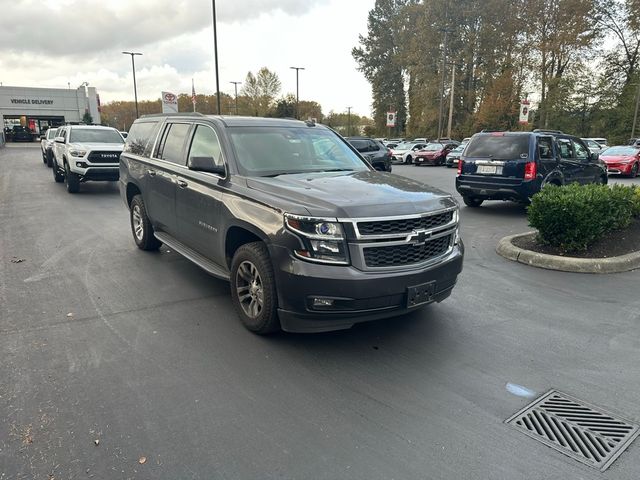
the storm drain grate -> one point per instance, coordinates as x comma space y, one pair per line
581, 431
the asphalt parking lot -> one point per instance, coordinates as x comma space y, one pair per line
110, 354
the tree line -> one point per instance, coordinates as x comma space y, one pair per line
577, 60
259, 96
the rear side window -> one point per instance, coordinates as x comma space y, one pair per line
566, 150
502, 147
172, 145
139, 140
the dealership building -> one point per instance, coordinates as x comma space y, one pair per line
40, 108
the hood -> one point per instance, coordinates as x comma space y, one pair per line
113, 147
398, 152
354, 194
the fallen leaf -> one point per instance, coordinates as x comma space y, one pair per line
69, 314
97, 441
142, 460
17, 260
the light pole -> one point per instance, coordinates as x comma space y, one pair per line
453, 84
235, 84
444, 60
297, 69
135, 88
215, 52
349, 121
635, 115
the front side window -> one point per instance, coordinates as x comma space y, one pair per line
566, 150
206, 144
173, 143
270, 151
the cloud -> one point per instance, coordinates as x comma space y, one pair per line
76, 27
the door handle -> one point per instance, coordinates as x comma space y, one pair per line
152, 173
182, 183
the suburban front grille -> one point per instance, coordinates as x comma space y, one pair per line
405, 225
104, 157
401, 255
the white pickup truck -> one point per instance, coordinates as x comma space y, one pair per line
86, 152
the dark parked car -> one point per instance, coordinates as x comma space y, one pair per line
374, 151
453, 156
434, 153
310, 237
21, 134
515, 165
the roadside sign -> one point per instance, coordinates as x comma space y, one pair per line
524, 112
391, 119
169, 102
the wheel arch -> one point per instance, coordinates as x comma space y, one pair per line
240, 234
132, 191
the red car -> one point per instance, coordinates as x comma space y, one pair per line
433, 154
622, 160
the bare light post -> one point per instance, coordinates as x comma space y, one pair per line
349, 121
453, 83
215, 52
135, 88
235, 84
297, 69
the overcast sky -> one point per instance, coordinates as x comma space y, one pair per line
51, 43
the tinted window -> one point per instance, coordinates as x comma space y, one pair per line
566, 150
139, 140
504, 147
545, 148
205, 144
581, 151
360, 145
97, 135
173, 143
280, 150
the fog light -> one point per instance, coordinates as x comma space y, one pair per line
81, 165
322, 302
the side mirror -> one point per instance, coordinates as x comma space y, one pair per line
594, 156
206, 164
59, 140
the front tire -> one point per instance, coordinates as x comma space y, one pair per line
472, 201
253, 289
141, 226
634, 171
57, 176
44, 157
49, 158
72, 180
408, 160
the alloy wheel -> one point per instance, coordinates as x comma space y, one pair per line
249, 288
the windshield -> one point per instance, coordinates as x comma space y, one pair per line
97, 135
506, 147
433, 147
271, 151
619, 151
458, 149
404, 146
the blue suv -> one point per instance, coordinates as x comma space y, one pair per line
516, 165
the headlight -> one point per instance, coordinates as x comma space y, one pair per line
323, 239
78, 153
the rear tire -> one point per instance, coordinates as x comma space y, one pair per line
44, 157
49, 158
72, 180
253, 289
141, 227
472, 201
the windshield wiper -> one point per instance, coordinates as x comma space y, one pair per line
337, 170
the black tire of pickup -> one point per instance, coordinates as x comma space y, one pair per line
71, 180
256, 255
145, 239
49, 158
57, 176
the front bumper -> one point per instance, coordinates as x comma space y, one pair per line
359, 296
427, 160
92, 172
619, 168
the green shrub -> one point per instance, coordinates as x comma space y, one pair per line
573, 217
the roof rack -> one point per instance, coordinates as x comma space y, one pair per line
179, 114
545, 130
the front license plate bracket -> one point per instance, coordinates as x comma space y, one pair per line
420, 294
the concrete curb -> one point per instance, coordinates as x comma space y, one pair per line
622, 263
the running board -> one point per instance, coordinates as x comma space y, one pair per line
203, 262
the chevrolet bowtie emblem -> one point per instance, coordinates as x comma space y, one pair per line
418, 237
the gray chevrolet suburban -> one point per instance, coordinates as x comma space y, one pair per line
309, 235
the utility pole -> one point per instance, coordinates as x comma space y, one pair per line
453, 84
635, 115
135, 88
349, 121
297, 69
215, 53
443, 68
235, 84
